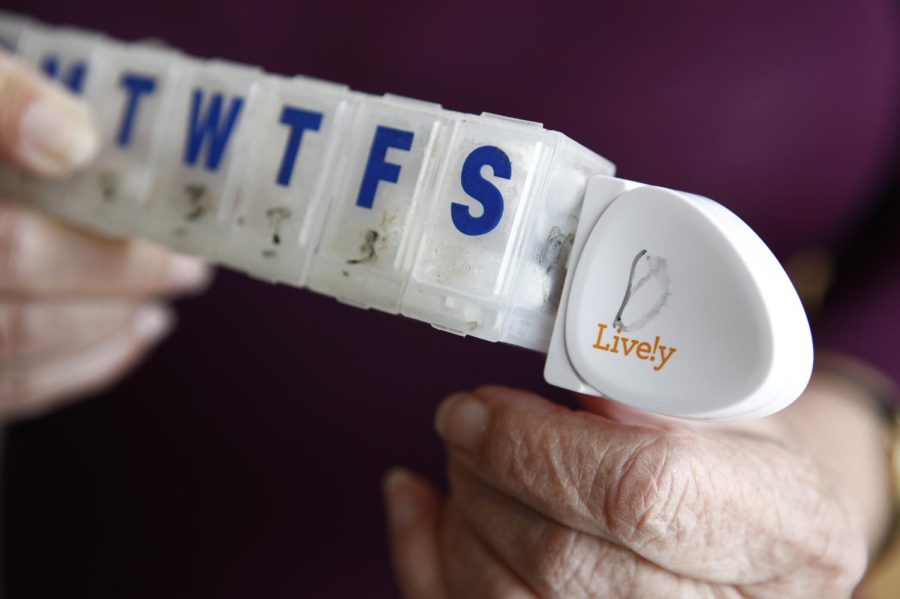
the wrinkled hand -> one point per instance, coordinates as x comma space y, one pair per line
76, 311
549, 502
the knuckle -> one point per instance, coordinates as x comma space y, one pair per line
17, 242
565, 562
837, 546
518, 452
652, 496
572, 564
538, 455
16, 333
822, 534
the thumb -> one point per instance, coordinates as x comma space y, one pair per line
584, 470
683, 498
43, 129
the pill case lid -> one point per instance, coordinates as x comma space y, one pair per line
673, 305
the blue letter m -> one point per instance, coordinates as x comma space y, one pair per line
73, 77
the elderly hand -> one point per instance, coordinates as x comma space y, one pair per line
76, 311
549, 502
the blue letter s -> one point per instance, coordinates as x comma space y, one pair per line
481, 190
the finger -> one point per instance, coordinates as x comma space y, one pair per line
413, 509
39, 385
555, 560
472, 571
31, 333
654, 490
558, 561
43, 129
41, 257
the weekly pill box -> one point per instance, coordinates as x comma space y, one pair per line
481, 225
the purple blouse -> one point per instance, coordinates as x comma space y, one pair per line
243, 460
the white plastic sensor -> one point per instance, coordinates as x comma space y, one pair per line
673, 305
480, 225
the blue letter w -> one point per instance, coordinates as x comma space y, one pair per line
210, 126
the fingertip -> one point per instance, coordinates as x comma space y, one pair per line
44, 129
56, 136
462, 419
412, 512
153, 322
399, 489
82, 369
188, 273
152, 268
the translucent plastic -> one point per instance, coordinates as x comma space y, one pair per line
461, 221
297, 126
373, 223
462, 279
201, 134
133, 91
11, 27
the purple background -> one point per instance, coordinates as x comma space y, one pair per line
243, 460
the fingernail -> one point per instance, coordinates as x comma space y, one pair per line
56, 136
401, 505
461, 419
187, 272
153, 322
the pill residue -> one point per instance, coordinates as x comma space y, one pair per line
108, 186
367, 249
276, 217
198, 202
552, 260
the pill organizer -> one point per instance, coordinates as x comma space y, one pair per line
481, 225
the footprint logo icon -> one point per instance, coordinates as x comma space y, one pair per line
646, 294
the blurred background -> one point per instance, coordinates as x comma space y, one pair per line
244, 458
